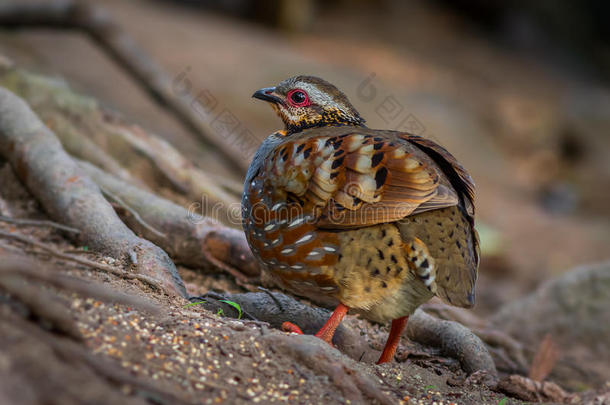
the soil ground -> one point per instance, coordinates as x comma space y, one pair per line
512, 121
198, 356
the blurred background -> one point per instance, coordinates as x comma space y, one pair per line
518, 91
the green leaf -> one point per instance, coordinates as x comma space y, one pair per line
220, 312
85, 248
192, 304
234, 305
503, 401
430, 387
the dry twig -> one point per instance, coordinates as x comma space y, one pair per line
117, 200
48, 274
50, 250
544, 360
38, 222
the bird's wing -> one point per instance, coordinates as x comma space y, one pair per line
460, 290
455, 172
356, 179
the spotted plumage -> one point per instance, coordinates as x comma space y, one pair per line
377, 221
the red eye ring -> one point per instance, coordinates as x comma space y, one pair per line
298, 98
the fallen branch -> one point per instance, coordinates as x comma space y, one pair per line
94, 21
193, 240
70, 197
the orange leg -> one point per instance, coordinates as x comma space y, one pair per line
391, 344
327, 331
291, 327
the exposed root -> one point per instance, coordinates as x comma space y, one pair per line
530, 390
195, 241
71, 198
42, 303
40, 223
59, 358
52, 251
181, 173
454, 340
312, 352
264, 308
94, 21
130, 211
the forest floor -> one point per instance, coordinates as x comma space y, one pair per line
185, 350
528, 134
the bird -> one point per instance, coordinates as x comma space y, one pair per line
373, 221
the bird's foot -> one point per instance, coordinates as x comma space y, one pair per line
292, 328
327, 331
398, 325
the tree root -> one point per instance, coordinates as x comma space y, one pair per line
306, 350
264, 308
100, 137
181, 173
63, 359
530, 390
80, 260
311, 352
40, 223
507, 352
94, 21
453, 339
569, 308
72, 198
42, 304
192, 240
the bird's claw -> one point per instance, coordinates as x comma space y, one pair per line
291, 327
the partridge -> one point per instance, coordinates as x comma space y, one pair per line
371, 220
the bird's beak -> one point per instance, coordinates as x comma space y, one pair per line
267, 94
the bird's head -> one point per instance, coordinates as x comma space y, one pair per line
307, 101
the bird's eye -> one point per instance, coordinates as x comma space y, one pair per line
298, 98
